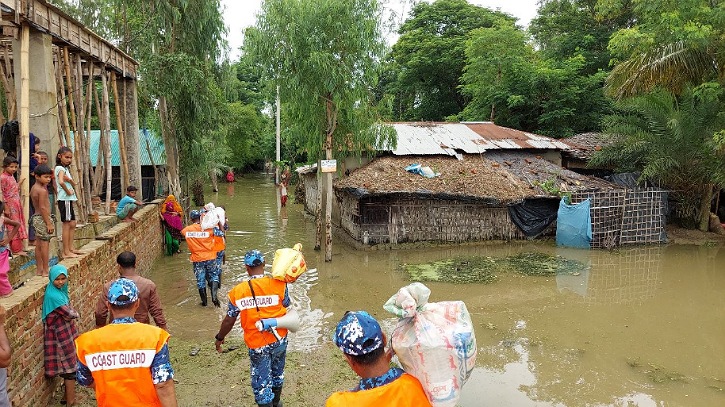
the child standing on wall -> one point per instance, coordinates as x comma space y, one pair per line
66, 196
60, 332
5, 237
128, 205
13, 207
42, 220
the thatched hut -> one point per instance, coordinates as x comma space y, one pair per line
493, 183
470, 200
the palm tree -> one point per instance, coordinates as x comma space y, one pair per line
670, 66
673, 140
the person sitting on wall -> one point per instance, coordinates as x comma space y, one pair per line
128, 205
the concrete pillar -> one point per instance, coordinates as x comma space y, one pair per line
129, 95
43, 110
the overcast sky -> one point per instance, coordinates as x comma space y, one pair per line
239, 14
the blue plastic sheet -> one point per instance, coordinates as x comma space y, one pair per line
420, 170
574, 225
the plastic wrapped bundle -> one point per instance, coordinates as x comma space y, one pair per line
288, 264
434, 342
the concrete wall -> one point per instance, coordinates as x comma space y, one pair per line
27, 384
43, 102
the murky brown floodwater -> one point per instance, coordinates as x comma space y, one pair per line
637, 327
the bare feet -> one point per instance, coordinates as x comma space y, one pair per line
76, 251
42, 274
20, 253
67, 255
129, 220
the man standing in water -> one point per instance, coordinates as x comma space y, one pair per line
258, 302
202, 245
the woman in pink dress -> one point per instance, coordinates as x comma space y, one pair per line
13, 207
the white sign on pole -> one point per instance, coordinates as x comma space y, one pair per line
328, 165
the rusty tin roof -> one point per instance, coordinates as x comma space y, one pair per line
454, 139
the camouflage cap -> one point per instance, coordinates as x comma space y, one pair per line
358, 333
122, 292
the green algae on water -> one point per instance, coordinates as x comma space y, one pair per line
485, 269
468, 270
540, 264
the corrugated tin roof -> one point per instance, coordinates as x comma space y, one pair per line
422, 138
155, 144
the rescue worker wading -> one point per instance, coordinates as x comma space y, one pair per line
259, 301
126, 362
203, 248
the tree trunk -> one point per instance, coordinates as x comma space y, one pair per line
331, 113
318, 208
171, 148
328, 202
705, 202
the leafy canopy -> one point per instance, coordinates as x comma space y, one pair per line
324, 56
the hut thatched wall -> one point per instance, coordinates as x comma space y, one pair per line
309, 181
405, 218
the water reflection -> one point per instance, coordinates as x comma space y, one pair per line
642, 326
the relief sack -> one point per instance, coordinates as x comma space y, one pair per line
435, 342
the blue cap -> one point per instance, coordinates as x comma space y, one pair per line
253, 258
194, 214
120, 288
358, 333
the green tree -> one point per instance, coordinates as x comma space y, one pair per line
673, 44
675, 141
565, 29
178, 44
509, 83
323, 55
429, 57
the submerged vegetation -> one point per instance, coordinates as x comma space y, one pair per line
486, 269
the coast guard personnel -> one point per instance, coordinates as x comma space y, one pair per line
260, 299
362, 342
203, 254
126, 362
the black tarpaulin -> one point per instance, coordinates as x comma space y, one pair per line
533, 215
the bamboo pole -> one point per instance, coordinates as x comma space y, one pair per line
89, 117
71, 96
6, 87
25, 122
12, 102
100, 159
107, 137
62, 104
121, 135
76, 83
85, 141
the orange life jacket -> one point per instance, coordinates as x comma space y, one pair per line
269, 294
119, 357
404, 391
202, 243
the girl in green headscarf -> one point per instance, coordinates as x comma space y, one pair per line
60, 332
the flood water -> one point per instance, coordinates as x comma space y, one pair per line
635, 327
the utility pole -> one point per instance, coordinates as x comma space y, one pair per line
279, 158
